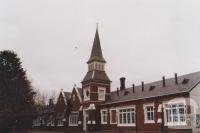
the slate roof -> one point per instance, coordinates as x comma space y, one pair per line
96, 54
67, 95
185, 84
80, 91
96, 75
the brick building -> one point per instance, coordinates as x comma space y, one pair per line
162, 106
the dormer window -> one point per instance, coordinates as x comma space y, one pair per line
86, 92
101, 93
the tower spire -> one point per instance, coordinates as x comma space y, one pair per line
96, 54
97, 24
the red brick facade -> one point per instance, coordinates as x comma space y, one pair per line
139, 109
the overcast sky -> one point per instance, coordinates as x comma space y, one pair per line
141, 40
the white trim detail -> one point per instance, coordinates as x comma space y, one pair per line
73, 116
118, 115
91, 107
93, 72
159, 108
81, 108
79, 96
104, 116
159, 120
173, 108
79, 122
93, 122
65, 99
89, 122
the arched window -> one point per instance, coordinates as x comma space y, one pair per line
73, 97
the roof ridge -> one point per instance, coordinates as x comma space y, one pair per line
149, 83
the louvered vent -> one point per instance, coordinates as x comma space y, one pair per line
185, 81
152, 88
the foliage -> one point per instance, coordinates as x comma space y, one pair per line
16, 93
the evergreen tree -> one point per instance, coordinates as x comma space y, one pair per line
16, 93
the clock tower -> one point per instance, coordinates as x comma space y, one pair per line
95, 86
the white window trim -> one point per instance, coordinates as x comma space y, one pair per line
84, 95
73, 125
102, 122
104, 89
60, 123
111, 116
174, 101
126, 125
145, 113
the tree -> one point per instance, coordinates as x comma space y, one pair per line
16, 93
40, 98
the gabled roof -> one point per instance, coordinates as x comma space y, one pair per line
96, 75
66, 96
96, 54
79, 93
157, 90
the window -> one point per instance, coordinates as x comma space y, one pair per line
113, 116
126, 117
175, 114
73, 97
101, 93
149, 113
60, 122
104, 116
73, 119
86, 93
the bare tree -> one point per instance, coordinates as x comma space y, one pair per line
40, 98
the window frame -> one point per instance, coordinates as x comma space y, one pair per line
100, 89
118, 117
102, 117
146, 121
76, 114
84, 93
176, 102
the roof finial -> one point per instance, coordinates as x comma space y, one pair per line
97, 24
74, 85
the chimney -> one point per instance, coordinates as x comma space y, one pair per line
142, 86
133, 88
176, 78
117, 91
163, 79
122, 83
50, 102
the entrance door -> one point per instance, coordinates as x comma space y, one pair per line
85, 120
